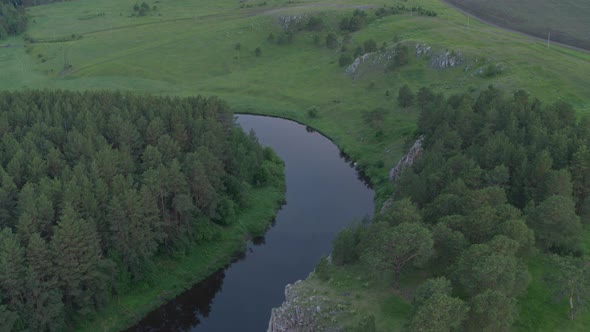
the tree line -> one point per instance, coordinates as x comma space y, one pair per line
95, 185
13, 19
500, 179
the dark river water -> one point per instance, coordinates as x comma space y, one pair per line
324, 194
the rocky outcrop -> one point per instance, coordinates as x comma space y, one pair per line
423, 50
407, 160
297, 313
369, 63
442, 60
286, 22
352, 69
447, 59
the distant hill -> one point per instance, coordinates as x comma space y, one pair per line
568, 21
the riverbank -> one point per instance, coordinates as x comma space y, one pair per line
175, 275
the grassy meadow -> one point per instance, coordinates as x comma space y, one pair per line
189, 47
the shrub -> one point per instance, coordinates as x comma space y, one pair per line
405, 96
331, 41
345, 60
323, 269
370, 46
312, 112
345, 246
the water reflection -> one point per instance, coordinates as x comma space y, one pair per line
324, 195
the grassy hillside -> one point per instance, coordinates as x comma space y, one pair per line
566, 20
187, 47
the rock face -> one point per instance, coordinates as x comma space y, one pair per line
369, 63
447, 59
443, 60
287, 21
297, 313
407, 160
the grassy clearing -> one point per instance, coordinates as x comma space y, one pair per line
173, 276
350, 294
566, 20
539, 308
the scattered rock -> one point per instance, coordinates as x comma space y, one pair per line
407, 160
423, 50
447, 59
287, 22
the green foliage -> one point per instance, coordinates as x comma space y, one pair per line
401, 211
143, 9
13, 19
491, 70
344, 60
345, 246
401, 57
405, 97
354, 23
556, 225
93, 196
570, 279
331, 40
492, 311
429, 288
312, 112
387, 247
323, 269
365, 324
440, 312
258, 51
370, 46
314, 23
492, 266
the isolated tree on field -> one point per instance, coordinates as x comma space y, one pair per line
258, 52
405, 97
370, 46
395, 247
570, 279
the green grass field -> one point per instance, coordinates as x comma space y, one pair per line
566, 20
188, 47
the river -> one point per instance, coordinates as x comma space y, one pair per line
324, 194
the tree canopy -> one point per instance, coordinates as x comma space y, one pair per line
94, 185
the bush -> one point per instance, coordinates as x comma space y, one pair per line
331, 41
491, 71
405, 96
312, 112
323, 269
345, 60
370, 46
258, 52
315, 24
